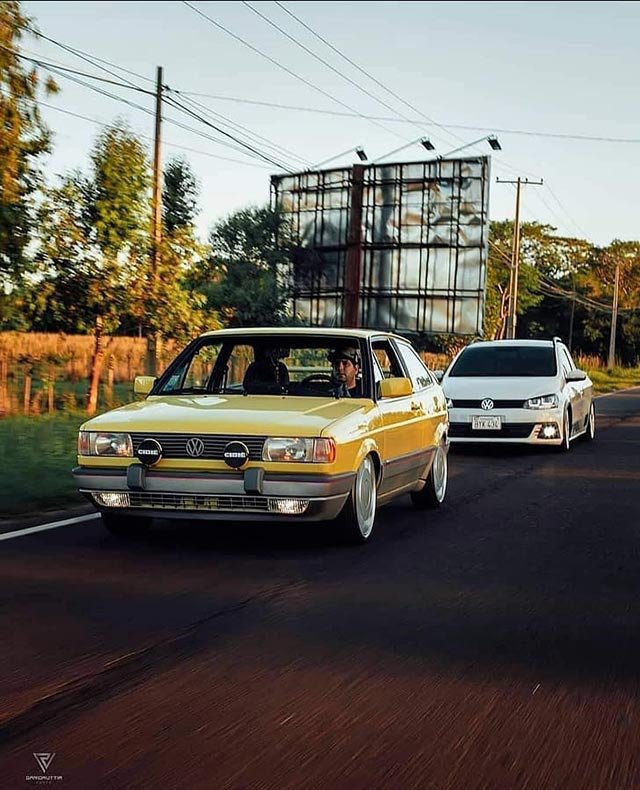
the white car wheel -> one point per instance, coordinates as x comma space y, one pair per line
359, 513
590, 433
566, 434
434, 491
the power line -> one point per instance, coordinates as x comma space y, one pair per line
413, 121
275, 62
149, 112
94, 60
324, 62
48, 65
363, 71
147, 137
182, 108
238, 127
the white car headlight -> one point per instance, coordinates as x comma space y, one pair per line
542, 402
287, 450
110, 444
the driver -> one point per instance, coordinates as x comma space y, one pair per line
345, 363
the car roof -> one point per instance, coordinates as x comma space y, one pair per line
311, 331
501, 343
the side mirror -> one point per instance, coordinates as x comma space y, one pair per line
439, 375
395, 388
576, 375
143, 384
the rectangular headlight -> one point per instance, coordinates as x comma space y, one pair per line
106, 444
542, 402
298, 450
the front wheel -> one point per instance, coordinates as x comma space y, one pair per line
590, 434
566, 434
125, 526
358, 515
434, 491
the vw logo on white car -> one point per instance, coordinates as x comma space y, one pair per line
487, 404
195, 447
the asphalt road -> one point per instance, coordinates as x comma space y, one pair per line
492, 644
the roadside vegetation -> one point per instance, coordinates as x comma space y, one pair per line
36, 458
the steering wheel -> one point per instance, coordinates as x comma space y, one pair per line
317, 378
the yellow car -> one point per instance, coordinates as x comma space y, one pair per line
272, 424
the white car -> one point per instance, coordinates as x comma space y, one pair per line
518, 391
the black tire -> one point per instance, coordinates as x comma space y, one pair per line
434, 491
590, 434
566, 434
357, 517
125, 526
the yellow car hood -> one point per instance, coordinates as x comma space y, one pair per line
236, 414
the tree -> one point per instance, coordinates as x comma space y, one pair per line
245, 277
164, 304
179, 196
24, 138
543, 255
94, 241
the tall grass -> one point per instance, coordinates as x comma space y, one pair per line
36, 459
49, 372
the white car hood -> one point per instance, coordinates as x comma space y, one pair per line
504, 388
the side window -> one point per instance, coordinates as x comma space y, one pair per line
565, 360
387, 359
385, 362
418, 373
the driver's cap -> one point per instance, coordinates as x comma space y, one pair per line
346, 352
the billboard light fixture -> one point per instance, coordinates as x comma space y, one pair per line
361, 154
494, 143
426, 143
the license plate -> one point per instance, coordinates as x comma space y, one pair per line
486, 423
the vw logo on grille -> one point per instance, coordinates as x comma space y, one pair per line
487, 404
195, 447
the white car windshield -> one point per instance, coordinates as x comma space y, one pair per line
505, 361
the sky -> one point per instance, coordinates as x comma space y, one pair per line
541, 76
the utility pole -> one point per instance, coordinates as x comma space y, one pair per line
515, 256
573, 310
154, 339
353, 263
614, 320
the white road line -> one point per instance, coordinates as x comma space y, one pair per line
43, 527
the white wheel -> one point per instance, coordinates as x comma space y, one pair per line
434, 491
359, 513
590, 433
566, 434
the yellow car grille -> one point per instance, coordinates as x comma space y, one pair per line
174, 445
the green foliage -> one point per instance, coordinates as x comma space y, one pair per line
120, 192
244, 278
23, 140
36, 458
94, 238
179, 196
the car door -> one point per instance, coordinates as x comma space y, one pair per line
427, 393
575, 390
401, 418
